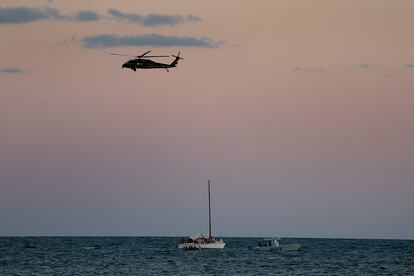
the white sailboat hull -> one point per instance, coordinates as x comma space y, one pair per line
213, 245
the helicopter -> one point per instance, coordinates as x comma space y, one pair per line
142, 62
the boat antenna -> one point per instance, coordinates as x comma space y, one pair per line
209, 211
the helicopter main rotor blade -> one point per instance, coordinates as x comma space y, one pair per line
122, 55
155, 56
143, 54
136, 56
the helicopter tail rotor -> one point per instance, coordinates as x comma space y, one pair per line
178, 56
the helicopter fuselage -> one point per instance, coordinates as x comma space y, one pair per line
140, 63
145, 63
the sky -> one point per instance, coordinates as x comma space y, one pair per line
300, 112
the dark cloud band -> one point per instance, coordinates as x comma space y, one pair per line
408, 65
153, 19
24, 15
364, 66
12, 70
86, 16
111, 40
308, 70
20, 15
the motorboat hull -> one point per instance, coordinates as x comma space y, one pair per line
283, 248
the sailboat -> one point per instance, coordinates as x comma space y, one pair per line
202, 241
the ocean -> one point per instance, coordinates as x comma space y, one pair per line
159, 256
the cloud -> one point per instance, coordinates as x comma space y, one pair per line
86, 16
172, 20
153, 19
12, 70
131, 17
20, 15
309, 70
408, 65
112, 40
192, 18
364, 67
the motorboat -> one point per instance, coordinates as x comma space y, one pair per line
275, 245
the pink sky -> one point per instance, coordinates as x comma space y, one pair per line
302, 116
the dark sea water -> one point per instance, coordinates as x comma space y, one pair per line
159, 256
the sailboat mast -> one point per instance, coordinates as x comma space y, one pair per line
209, 211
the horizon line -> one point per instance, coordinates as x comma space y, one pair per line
165, 236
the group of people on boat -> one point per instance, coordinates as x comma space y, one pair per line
198, 240
271, 243
192, 247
